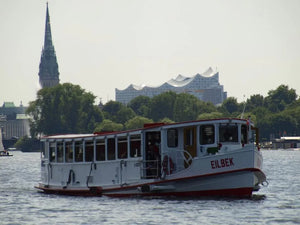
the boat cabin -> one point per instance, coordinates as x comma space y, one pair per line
153, 152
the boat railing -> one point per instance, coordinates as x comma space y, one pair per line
176, 160
170, 162
151, 169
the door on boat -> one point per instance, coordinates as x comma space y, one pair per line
190, 144
153, 154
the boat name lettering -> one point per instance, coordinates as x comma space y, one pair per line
227, 162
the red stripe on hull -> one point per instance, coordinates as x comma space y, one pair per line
236, 192
97, 191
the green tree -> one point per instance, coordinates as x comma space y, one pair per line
230, 106
162, 106
140, 105
124, 114
254, 102
212, 115
278, 99
283, 124
108, 125
137, 122
64, 108
186, 107
166, 120
111, 109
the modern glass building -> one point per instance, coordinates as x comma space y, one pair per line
205, 87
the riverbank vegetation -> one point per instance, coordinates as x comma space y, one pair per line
67, 108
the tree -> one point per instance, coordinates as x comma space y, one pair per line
186, 107
124, 114
166, 120
212, 115
108, 125
162, 106
230, 105
64, 108
278, 99
111, 109
137, 122
140, 105
254, 102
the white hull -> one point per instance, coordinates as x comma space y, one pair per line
239, 178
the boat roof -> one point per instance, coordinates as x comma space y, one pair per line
147, 126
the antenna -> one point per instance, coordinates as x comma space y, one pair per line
245, 103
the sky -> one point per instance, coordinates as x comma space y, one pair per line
106, 44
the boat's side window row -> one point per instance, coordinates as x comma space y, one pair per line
105, 149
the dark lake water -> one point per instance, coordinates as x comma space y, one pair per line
20, 203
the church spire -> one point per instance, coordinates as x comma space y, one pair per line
48, 71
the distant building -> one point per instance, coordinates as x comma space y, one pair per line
205, 87
48, 71
13, 121
286, 142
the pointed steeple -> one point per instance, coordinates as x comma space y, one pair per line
48, 72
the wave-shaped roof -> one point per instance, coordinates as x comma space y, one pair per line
179, 81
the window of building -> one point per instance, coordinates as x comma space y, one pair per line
228, 133
100, 150
69, 151
60, 151
111, 149
135, 145
207, 134
89, 151
122, 147
78, 151
172, 136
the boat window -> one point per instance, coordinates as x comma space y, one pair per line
111, 149
189, 137
100, 150
135, 145
122, 147
60, 148
207, 134
244, 137
172, 135
228, 133
89, 151
69, 151
78, 151
52, 146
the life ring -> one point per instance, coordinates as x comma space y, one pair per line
167, 165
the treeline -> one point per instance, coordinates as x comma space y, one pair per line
67, 108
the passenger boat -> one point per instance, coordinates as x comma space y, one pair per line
219, 157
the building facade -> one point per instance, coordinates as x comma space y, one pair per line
205, 87
13, 121
48, 70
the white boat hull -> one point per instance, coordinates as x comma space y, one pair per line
238, 175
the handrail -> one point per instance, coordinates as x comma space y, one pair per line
183, 159
170, 161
